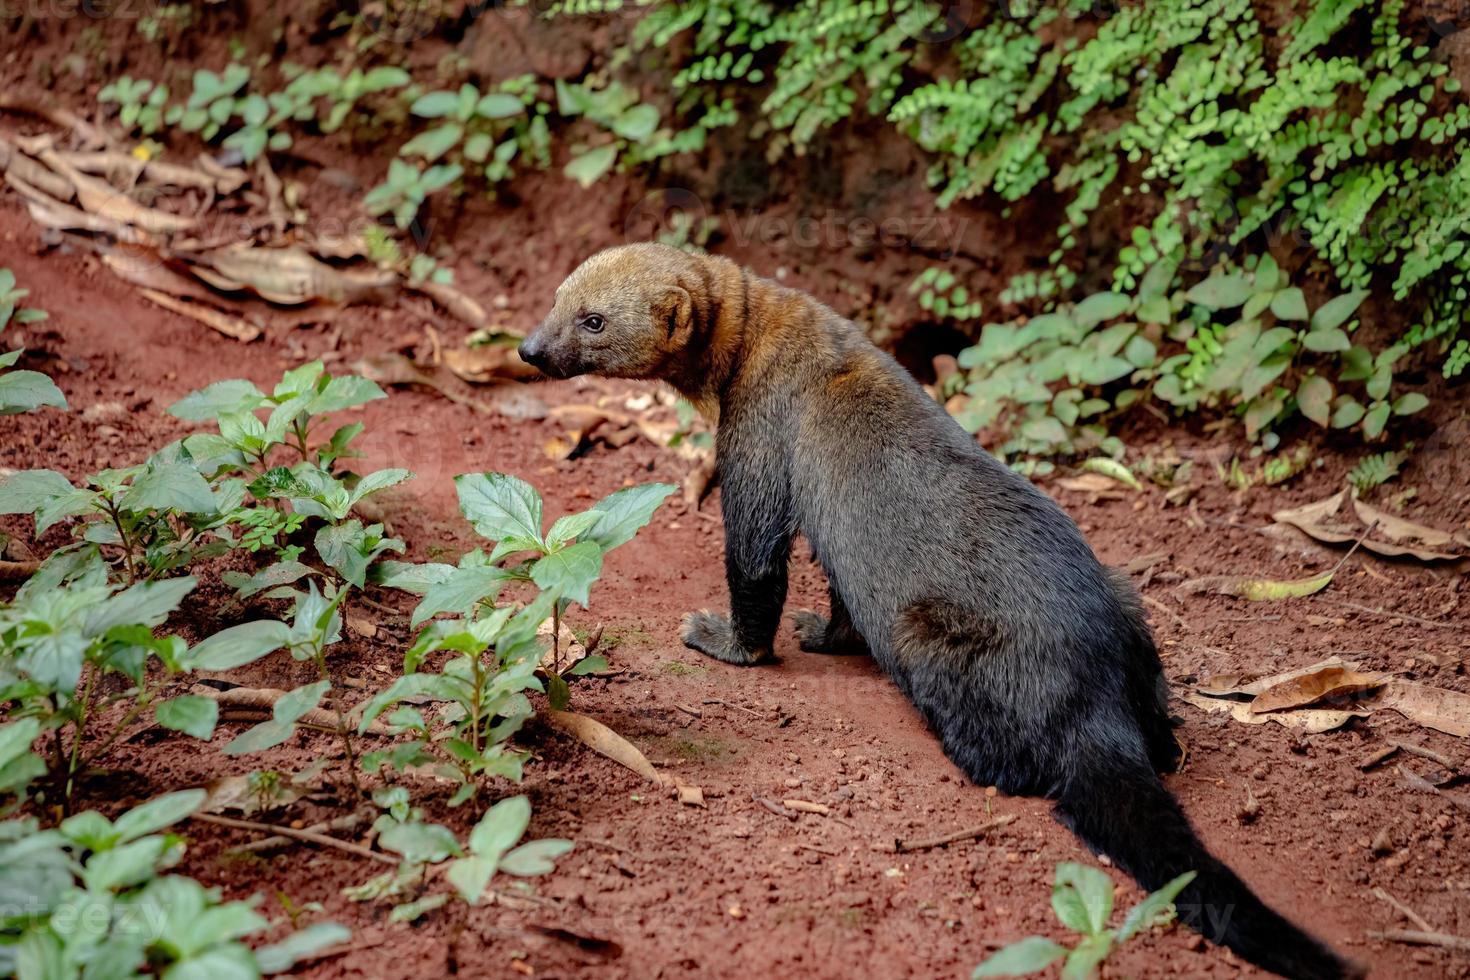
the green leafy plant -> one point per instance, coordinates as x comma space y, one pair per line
142, 104
90, 898
488, 696
252, 122
406, 188
1376, 470
491, 849
22, 391
1082, 898
70, 631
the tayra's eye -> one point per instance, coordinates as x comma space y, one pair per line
592, 323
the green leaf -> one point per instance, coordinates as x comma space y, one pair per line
460, 592
414, 577
436, 105
258, 738
1082, 897
1084, 959
219, 398
1099, 307
501, 826
589, 168
1289, 304
341, 546
1347, 412
624, 512
1155, 906
594, 664
571, 570
420, 843
22, 391
1328, 341
191, 714
570, 526
637, 123
345, 392
238, 645
1336, 311
293, 704
169, 485
1221, 292
1410, 403
499, 105
500, 506
1314, 398
1376, 419
143, 604
535, 858
1030, 955
434, 143
157, 813
280, 957
271, 577
27, 491
470, 876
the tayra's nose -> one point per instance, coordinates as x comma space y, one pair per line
533, 351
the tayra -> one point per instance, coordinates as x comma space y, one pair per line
973, 590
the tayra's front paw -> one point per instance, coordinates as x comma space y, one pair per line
711, 635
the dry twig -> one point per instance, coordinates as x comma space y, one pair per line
959, 835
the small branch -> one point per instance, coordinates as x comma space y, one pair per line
1178, 619
310, 836
1404, 910
1415, 937
737, 707
1386, 614
1423, 753
349, 822
959, 835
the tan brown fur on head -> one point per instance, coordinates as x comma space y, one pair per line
626, 312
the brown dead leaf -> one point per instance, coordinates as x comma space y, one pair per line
1406, 532
101, 198
289, 276
1323, 521
1433, 707
605, 742
1228, 685
571, 649
17, 164
251, 701
1093, 483
691, 795
1319, 685
230, 326
1311, 721
245, 795
699, 480
456, 302
488, 364
394, 369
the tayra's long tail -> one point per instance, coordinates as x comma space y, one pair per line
1132, 818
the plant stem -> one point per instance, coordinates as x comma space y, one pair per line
127, 545
343, 728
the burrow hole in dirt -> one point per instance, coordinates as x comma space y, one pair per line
923, 342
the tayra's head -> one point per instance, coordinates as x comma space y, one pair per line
623, 313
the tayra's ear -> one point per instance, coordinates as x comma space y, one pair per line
676, 311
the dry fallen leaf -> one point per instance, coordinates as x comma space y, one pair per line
1433, 707
1319, 685
1094, 483
488, 364
605, 742
218, 320
1321, 520
289, 276
101, 198
1312, 721
571, 650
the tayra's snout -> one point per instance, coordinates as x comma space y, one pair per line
533, 350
